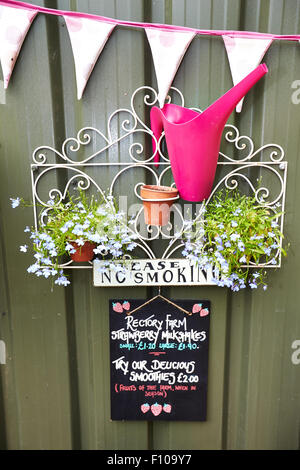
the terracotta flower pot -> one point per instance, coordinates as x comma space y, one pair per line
83, 253
157, 201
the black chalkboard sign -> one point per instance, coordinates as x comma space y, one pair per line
159, 359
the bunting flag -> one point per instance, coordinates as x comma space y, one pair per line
88, 38
14, 25
89, 33
168, 49
244, 55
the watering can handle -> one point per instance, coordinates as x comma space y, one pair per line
156, 123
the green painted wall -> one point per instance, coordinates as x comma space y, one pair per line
54, 388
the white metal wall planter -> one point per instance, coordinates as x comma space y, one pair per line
153, 262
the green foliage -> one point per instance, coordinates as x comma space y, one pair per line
68, 225
237, 232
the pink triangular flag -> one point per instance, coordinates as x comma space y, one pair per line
168, 49
88, 38
244, 55
14, 25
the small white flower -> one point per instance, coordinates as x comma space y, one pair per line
46, 273
101, 211
234, 236
33, 268
15, 202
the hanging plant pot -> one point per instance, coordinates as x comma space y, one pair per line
157, 201
83, 253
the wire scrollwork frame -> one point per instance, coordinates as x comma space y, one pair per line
232, 171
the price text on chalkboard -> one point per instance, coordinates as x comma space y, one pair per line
159, 359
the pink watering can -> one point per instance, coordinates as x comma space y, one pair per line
193, 139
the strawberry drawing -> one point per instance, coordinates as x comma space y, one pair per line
156, 409
197, 308
204, 312
126, 305
117, 307
167, 408
145, 407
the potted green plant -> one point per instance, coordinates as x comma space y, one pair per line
236, 234
79, 228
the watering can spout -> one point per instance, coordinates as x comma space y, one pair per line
224, 106
193, 139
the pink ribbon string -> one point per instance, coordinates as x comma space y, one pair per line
207, 32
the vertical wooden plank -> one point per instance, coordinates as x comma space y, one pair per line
8, 396
118, 72
208, 434
201, 84
263, 383
38, 364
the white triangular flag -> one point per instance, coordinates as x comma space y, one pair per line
244, 55
88, 38
168, 49
14, 25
